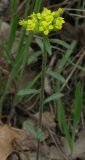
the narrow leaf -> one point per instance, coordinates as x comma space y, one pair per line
53, 97
56, 76
40, 43
27, 92
29, 127
78, 104
34, 57
66, 55
63, 125
40, 134
48, 46
60, 42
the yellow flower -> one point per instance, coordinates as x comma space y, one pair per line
60, 11
23, 22
41, 28
38, 15
59, 22
44, 22
50, 27
46, 32
46, 11
30, 25
57, 13
53, 13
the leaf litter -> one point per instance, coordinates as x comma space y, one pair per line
24, 143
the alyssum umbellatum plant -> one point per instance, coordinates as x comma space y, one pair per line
43, 23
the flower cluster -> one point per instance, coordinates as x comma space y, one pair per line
44, 22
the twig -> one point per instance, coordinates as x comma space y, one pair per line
76, 15
74, 9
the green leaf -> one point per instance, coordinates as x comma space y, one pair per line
78, 104
36, 132
65, 129
60, 42
56, 76
48, 47
40, 43
37, 6
24, 92
40, 134
28, 86
44, 43
34, 57
77, 66
13, 28
12, 34
29, 126
53, 97
62, 123
33, 82
59, 114
66, 56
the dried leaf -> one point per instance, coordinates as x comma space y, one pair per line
7, 136
47, 119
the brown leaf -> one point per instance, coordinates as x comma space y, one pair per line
7, 136
47, 119
55, 153
79, 146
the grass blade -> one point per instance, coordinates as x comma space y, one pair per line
37, 5
62, 123
78, 104
13, 28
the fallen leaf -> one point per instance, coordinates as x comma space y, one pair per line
79, 146
55, 153
47, 119
7, 136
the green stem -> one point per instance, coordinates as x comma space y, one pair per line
44, 59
